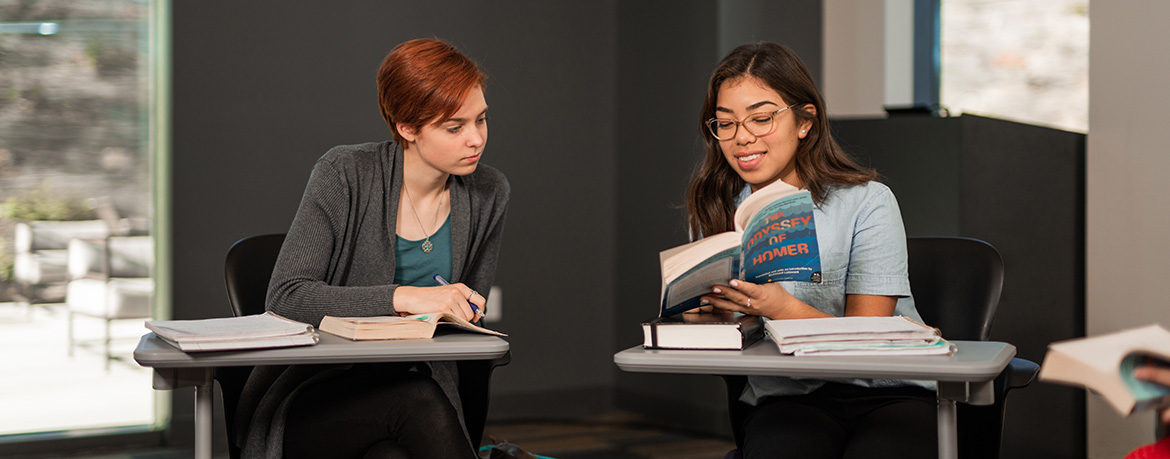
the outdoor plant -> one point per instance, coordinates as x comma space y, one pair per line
41, 204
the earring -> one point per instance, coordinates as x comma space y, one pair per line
802, 131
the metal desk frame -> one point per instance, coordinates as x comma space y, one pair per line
174, 368
967, 376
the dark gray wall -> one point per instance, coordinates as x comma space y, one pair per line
263, 88
1021, 189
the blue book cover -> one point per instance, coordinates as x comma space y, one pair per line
780, 242
774, 240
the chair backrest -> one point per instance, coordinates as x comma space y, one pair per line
247, 270
956, 284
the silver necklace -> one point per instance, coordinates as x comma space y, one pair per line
426, 245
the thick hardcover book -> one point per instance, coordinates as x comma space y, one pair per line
702, 331
774, 240
1105, 364
396, 327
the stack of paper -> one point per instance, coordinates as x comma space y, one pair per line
857, 336
247, 332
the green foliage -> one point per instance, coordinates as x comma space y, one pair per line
6, 263
41, 204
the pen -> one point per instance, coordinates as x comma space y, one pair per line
441, 281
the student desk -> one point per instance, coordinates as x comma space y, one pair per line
174, 368
967, 376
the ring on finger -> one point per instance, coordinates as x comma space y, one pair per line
749, 302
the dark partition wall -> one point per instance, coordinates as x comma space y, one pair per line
263, 88
1020, 188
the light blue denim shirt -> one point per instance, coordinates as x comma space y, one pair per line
863, 251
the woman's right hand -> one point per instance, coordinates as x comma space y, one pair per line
452, 299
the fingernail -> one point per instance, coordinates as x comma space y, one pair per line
704, 301
734, 283
717, 290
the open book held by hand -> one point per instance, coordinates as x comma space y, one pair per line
774, 240
1105, 365
396, 327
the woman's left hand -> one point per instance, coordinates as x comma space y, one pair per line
770, 300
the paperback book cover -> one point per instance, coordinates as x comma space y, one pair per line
774, 240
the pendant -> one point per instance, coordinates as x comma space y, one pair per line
427, 246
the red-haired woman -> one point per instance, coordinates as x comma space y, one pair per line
377, 221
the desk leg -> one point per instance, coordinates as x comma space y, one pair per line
947, 433
203, 416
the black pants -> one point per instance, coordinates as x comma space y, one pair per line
844, 421
374, 411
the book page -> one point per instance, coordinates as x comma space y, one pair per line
698, 282
680, 260
228, 328
758, 200
451, 319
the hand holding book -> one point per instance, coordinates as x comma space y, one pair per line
770, 300
1130, 369
774, 241
1157, 374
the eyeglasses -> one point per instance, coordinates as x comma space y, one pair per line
756, 124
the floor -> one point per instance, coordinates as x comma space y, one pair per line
46, 389
608, 437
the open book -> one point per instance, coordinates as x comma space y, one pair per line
774, 240
1105, 365
396, 327
857, 335
232, 333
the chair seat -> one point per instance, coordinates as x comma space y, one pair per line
116, 298
41, 267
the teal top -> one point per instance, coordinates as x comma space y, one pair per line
417, 268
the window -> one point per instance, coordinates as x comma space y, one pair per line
1021, 60
76, 150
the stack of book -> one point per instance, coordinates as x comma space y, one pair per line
850, 336
234, 333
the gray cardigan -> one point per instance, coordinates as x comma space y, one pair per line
338, 259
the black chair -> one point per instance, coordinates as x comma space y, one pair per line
956, 284
247, 271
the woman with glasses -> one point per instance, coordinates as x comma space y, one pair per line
765, 121
376, 224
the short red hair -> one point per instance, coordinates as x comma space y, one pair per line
424, 80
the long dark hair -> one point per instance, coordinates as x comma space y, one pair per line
820, 161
